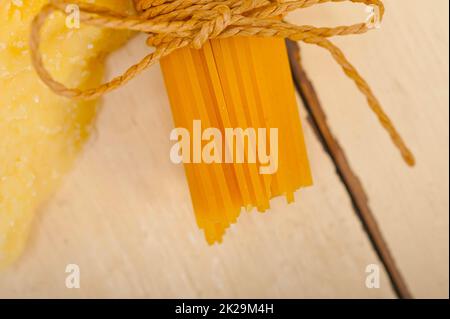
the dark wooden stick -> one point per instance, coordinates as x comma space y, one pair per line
354, 187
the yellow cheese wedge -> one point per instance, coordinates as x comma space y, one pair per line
41, 133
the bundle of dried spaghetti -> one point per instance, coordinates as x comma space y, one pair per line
239, 83
225, 64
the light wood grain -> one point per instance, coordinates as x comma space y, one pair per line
124, 213
406, 63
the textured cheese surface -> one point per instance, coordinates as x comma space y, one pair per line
41, 133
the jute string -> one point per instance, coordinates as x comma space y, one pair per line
175, 24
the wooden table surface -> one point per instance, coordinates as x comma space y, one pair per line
124, 214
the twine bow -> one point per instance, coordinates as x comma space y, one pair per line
175, 24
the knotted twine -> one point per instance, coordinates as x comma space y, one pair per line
175, 24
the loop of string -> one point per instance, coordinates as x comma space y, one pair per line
175, 24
